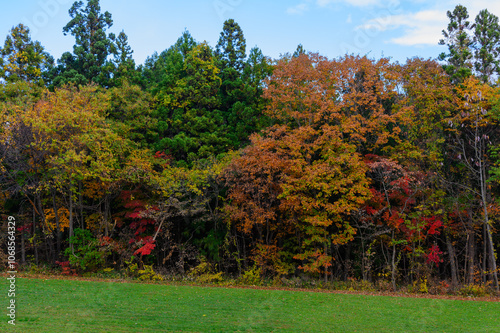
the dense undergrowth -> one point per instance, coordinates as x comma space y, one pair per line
203, 276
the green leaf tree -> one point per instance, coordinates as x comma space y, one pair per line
23, 59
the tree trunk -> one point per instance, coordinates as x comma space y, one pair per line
347, 261
325, 248
71, 220
393, 265
484, 197
35, 247
484, 275
80, 204
58, 226
106, 209
23, 249
470, 257
451, 253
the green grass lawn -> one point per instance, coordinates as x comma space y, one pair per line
83, 306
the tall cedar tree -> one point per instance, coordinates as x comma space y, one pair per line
124, 63
231, 46
240, 91
88, 63
186, 103
230, 52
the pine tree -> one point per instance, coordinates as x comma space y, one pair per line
487, 45
459, 41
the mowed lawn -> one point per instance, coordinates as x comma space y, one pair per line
88, 306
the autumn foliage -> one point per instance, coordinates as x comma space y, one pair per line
210, 162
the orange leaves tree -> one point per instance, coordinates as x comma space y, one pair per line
327, 113
353, 94
257, 218
302, 182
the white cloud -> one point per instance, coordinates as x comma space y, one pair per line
424, 27
420, 28
389, 22
298, 9
355, 3
473, 7
426, 35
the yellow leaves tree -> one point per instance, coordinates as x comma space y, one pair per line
70, 145
474, 132
22, 59
63, 218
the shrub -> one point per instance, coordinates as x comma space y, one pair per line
251, 277
204, 273
148, 274
473, 290
420, 286
86, 255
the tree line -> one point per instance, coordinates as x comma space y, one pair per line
302, 166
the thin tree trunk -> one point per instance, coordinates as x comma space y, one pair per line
347, 261
363, 260
35, 247
484, 196
49, 250
58, 226
80, 204
471, 252
23, 249
106, 209
326, 267
484, 276
71, 220
451, 253
393, 265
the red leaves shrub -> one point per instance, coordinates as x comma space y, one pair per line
433, 255
148, 246
66, 269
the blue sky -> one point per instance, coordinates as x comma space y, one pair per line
391, 28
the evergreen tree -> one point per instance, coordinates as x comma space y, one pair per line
160, 70
299, 51
459, 41
230, 52
92, 45
487, 45
231, 46
190, 126
23, 59
124, 64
